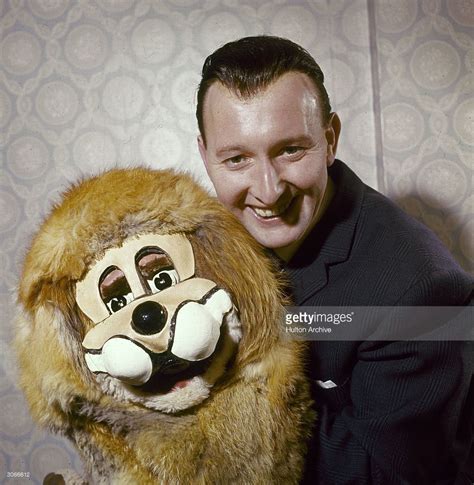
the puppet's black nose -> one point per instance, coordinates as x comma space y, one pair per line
149, 318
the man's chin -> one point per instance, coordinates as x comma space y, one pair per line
280, 241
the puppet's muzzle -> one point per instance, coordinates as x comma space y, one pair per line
123, 359
194, 331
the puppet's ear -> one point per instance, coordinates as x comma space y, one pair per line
54, 256
40, 289
44, 276
30, 288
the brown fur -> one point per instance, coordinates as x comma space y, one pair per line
251, 429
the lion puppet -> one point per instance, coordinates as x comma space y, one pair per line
150, 336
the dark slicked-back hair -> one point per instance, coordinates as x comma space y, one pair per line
247, 66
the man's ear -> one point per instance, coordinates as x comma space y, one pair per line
332, 137
202, 149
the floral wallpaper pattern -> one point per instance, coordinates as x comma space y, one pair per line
87, 85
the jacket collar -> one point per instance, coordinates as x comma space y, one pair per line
331, 240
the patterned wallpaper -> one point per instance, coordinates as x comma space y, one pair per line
90, 84
424, 114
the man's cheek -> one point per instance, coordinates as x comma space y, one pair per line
309, 180
229, 190
227, 195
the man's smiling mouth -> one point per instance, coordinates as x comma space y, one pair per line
275, 211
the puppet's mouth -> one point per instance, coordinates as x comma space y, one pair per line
178, 373
174, 378
148, 371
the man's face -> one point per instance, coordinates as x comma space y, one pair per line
267, 157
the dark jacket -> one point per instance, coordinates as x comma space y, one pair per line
402, 412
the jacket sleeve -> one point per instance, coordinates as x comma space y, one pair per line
405, 414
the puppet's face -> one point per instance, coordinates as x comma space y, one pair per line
158, 329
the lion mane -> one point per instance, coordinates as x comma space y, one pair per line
248, 418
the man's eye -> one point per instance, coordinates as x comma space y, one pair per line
118, 302
163, 279
292, 150
235, 160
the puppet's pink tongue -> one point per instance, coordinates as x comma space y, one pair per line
180, 384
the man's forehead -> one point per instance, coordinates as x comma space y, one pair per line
288, 104
288, 81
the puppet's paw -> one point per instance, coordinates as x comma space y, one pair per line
64, 477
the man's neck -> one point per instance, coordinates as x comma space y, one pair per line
287, 252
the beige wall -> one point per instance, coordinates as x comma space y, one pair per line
86, 85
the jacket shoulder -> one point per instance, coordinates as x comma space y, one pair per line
390, 241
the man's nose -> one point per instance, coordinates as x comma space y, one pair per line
267, 183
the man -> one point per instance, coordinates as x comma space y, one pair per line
389, 412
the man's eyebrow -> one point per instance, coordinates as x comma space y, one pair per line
226, 149
291, 140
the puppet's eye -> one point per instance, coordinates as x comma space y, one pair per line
118, 302
163, 279
114, 289
156, 269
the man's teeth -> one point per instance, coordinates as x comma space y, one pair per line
271, 212
266, 212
